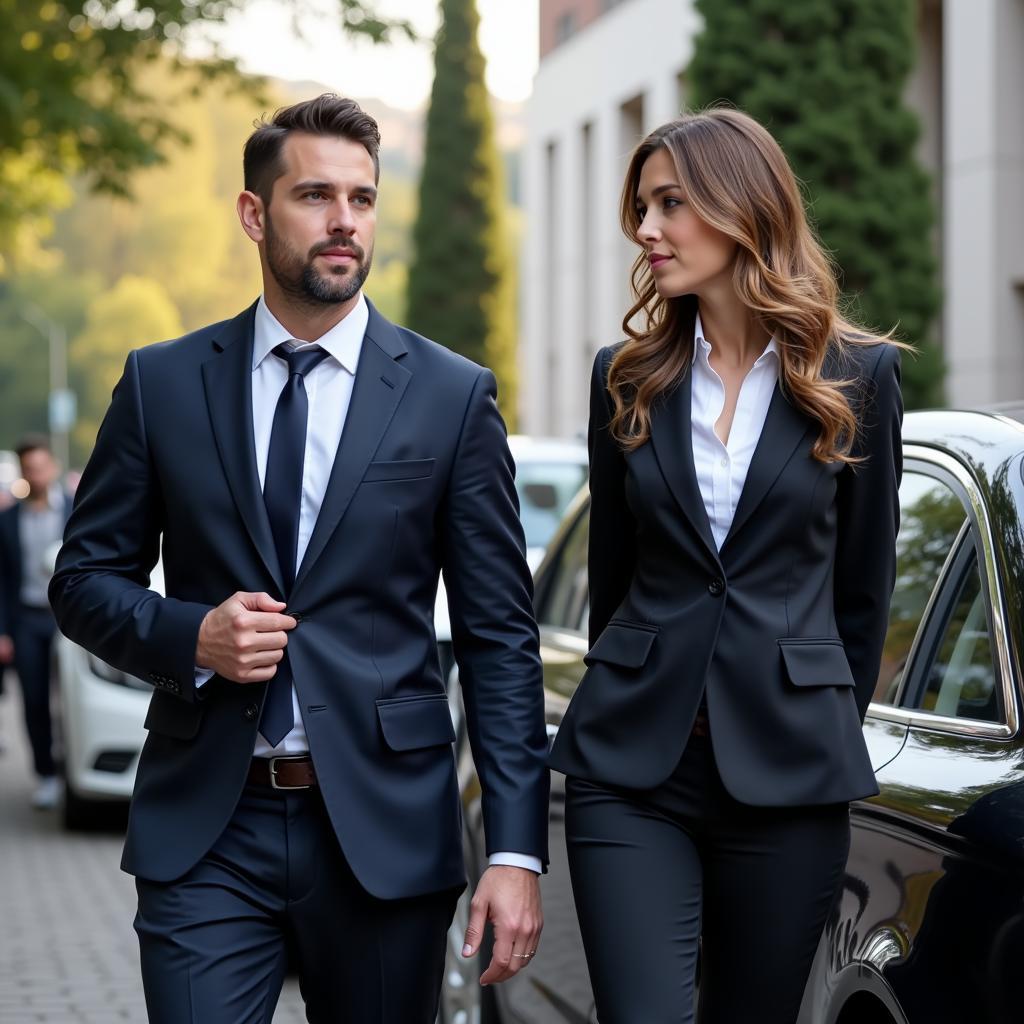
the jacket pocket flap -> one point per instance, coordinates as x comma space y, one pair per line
406, 469
172, 716
409, 723
623, 644
816, 662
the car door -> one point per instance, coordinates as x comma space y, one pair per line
556, 988
934, 886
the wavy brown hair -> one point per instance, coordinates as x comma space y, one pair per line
736, 178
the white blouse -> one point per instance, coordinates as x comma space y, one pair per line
722, 468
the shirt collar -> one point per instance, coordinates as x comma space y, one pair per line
702, 347
342, 342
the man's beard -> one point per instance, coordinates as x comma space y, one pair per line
302, 282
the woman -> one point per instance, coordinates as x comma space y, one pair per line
745, 464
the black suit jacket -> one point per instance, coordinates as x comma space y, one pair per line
11, 569
783, 628
422, 481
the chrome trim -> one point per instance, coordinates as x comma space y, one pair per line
939, 723
956, 469
882, 947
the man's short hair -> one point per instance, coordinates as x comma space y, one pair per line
33, 443
327, 114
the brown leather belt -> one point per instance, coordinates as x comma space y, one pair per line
283, 772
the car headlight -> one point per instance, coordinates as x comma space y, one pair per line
100, 668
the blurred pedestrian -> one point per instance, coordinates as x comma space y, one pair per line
745, 465
28, 531
308, 469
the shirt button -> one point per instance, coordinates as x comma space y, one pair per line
250, 712
716, 586
725, 460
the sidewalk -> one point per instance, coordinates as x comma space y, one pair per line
68, 953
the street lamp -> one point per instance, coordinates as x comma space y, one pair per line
61, 399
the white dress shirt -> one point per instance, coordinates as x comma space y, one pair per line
329, 391
722, 468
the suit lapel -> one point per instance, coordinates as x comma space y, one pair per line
227, 378
672, 441
784, 429
379, 386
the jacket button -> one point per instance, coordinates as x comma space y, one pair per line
716, 586
250, 712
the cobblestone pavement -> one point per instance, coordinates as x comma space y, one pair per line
68, 953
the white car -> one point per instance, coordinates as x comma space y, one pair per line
102, 709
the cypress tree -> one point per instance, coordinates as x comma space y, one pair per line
826, 77
460, 283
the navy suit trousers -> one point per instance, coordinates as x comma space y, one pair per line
33, 651
274, 889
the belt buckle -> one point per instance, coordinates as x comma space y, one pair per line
274, 784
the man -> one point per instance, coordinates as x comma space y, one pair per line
297, 790
28, 529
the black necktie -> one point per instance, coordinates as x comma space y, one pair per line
282, 494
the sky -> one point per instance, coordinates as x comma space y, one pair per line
265, 39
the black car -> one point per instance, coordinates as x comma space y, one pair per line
929, 925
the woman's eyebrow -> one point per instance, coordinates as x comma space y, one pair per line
660, 189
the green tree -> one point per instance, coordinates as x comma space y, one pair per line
460, 285
827, 77
73, 98
136, 311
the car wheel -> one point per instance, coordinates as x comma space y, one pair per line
463, 1001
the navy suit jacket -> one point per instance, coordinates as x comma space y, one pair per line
422, 482
10, 564
782, 628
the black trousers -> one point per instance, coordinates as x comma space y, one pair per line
33, 649
658, 874
275, 887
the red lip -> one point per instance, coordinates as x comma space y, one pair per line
656, 259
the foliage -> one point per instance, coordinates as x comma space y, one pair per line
74, 99
135, 309
827, 79
460, 284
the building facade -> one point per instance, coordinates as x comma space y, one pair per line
611, 70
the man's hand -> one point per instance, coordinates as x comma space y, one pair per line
509, 898
244, 638
6, 650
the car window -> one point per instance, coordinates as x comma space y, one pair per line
961, 676
545, 490
564, 602
931, 517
